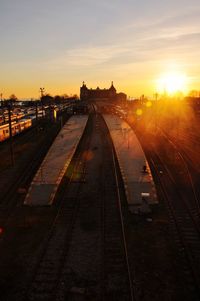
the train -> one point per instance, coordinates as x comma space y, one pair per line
17, 127
14, 117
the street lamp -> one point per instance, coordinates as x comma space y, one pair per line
42, 94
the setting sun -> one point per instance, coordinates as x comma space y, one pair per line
172, 82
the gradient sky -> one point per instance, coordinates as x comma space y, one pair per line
57, 44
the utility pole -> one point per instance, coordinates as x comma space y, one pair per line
42, 94
11, 137
36, 114
1, 95
36, 111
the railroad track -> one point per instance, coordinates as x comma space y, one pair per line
25, 170
183, 224
186, 169
114, 237
28, 169
182, 212
10, 197
84, 256
48, 272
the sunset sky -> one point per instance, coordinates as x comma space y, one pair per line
57, 44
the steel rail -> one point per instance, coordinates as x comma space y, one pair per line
28, 168
177, 149
77, 159
132, 287
188, 255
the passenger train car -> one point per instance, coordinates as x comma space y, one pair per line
17, 127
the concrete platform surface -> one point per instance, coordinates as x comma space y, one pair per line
138, 181
49, 175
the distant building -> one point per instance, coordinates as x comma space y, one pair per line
121, 97
101, 94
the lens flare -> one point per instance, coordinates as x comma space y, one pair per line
139, 112
148, 104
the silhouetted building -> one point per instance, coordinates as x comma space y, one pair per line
100, 94
121, 97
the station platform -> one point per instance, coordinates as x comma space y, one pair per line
138, 182
50, 173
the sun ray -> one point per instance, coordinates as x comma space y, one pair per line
172, 82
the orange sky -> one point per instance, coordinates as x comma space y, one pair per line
59, 44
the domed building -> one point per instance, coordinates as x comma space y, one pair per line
98, 94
